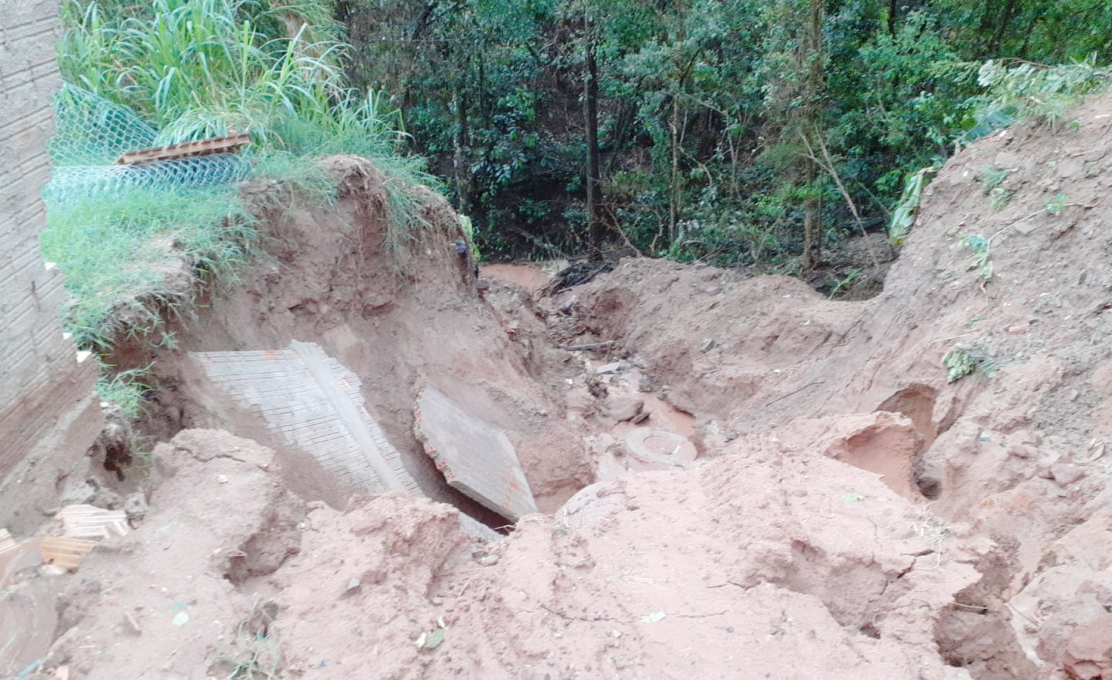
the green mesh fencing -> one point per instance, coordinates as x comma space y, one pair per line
92, 132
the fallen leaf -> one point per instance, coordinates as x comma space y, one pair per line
434, 639
181, 619
852, 497
654, 617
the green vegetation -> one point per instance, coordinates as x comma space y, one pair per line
134, 247
732, 131
1056, 204
982, 258
130, 260
255, 650
992, 178
903, 217
125, 389
965, 360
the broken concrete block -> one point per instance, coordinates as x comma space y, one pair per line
475, 458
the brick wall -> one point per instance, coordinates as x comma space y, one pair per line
48, 414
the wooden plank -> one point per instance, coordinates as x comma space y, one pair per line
6, 540
89, 521
203, 147
66, 552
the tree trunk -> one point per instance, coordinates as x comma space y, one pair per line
812, 221
1002, 27
676, 193
674, 203
590, 116
459, 140
811, 122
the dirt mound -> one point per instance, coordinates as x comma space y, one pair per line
746, 563
168, 597
768, 559
851, 512
1019, 455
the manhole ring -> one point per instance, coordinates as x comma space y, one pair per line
651, 445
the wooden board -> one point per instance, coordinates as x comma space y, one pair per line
203, 147
66, 552
6, 540
89, 521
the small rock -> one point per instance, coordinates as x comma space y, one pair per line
1089, 650
625, 408
135, 505
51, 570
713, 290
645, 384
222, 479
489, 560
707, 345
612, 367
1066, 474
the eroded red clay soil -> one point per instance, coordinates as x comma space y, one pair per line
851, 513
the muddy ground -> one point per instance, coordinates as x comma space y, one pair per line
851, 512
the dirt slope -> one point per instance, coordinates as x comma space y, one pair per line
1017, 456
852, 514
399, 318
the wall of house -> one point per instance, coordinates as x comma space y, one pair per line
49, 414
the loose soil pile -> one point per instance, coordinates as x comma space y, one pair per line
851, 513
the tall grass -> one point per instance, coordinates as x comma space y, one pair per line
203, 68
193, 69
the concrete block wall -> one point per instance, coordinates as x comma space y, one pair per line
49, 415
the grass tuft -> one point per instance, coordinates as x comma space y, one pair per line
127, 260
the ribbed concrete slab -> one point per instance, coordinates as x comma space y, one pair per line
475, 458
314, 404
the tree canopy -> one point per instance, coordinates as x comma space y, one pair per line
727, 130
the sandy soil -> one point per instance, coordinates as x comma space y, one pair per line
851, 513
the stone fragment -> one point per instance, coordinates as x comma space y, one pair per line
625, 408
1089, 651
1066, 474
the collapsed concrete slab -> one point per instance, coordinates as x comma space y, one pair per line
475, 458
313, 404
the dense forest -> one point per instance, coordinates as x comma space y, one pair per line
726, 130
